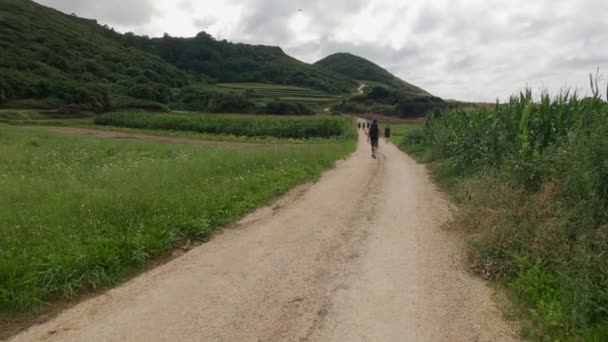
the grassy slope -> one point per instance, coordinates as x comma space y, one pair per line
82, 213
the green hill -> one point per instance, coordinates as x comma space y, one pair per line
52, 60
49, 59
365, 71
223, 61
385, 93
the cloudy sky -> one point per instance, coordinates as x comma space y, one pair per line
457, 49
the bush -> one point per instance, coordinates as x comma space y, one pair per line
142, 91
287, 108
205, 99
392, 102
239, 126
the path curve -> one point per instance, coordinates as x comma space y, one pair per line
358, 256
360, 89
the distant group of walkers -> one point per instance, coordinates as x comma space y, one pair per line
372, 129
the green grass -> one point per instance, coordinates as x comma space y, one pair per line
232, 125
400, 130
78, 214
12, 115
29, 115
531, 181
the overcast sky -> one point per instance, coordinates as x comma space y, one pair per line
456, 49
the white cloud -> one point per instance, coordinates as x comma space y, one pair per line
463, 49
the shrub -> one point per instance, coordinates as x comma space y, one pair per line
239, 126
142, 91
287, 108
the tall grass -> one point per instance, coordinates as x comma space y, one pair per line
533, 187
78, 214
231, 125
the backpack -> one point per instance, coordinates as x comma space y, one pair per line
374, 131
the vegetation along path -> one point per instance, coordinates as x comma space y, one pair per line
358, 256
118, 135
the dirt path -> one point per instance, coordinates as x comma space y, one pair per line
358, 256
360, 89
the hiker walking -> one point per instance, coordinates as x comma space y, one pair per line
373, 136
387, 134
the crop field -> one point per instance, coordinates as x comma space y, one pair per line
80, 213
531, 178
295, 128
266, 92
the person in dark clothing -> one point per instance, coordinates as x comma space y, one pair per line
387, 134
373, 137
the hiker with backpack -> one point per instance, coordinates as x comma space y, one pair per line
387, 134
373, 136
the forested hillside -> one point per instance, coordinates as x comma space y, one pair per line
48, 59
223, 61
51, 60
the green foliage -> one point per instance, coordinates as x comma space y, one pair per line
392, 102
223, 61
214, 100
358, 68
56, 60
287, 108
50, 58
231, 125
533, 189
401, 130
80, 214
264, 93
53, 57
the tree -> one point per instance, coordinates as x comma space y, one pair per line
379, 93
142, 91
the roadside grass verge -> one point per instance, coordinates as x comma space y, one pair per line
299, 128
400, 130
531, 182
79, 214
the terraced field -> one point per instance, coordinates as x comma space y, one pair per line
264, 93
